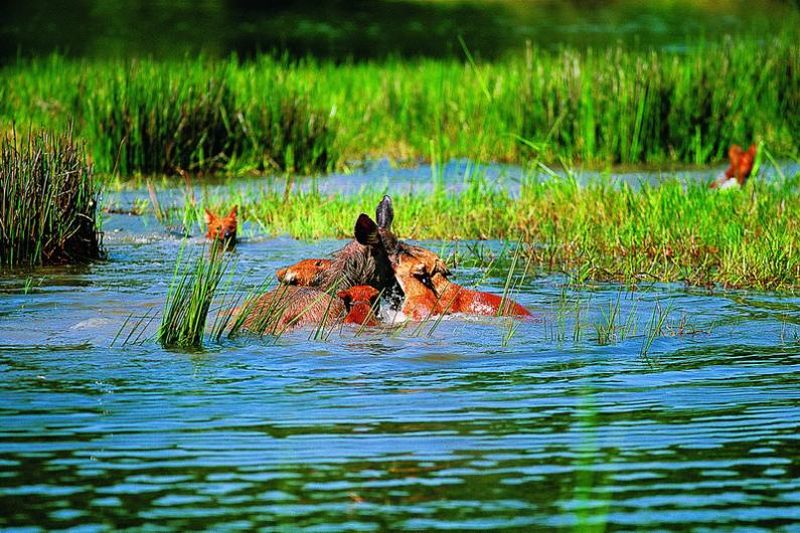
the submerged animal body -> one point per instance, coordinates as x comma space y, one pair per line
428, 292
288, 307
739, 169
454, 298
222, 228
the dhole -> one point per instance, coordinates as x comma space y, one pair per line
366, 260
309, 272
306, 273
741, 165
428, 292
222, 228
289, 307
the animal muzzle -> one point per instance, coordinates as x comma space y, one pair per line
286, 277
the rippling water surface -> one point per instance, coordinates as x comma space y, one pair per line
452, 428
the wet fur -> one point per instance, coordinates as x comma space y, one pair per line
428, 293
288, 307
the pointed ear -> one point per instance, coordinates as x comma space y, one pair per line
232, 214
752, 150
209, 216
366, 231
384, 214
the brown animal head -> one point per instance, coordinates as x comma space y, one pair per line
422, 277
741, 163
222, 228
360, 304
305, 273
378, 233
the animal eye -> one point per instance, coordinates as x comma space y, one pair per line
425, 279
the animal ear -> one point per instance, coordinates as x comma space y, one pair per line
752, 150
209, 216
384, 214
232, 214
366, 231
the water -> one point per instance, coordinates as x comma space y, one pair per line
453, 176
449, 429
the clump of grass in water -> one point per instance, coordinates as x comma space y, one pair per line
189, 298
47, 214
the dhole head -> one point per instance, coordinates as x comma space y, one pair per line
378, 232
222, 228
359, 302
419, 296
422, 275
305, 273
424, 266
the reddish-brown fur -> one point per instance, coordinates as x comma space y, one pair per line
740, 167
222, 228
305, 273
457, 299
360, 303
311, 272
290, 307
366, 260
428, 292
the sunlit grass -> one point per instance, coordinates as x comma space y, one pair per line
272, 114
673, 231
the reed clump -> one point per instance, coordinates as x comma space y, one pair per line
48, 203
604, 106
191, 292
155, 118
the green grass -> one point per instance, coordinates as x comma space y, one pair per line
48, 201
674, 231
599, 107
188, 302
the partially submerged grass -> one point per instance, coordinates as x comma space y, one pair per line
189, 298
48, 202
595, 106
673, 231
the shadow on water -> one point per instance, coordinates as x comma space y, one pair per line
364, 29
451, 430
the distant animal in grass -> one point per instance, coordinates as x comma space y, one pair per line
222, 228
289, 307
739, 169
427, 292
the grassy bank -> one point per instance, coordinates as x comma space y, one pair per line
668, 232
48, 202
597, 107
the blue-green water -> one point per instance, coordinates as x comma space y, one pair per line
456, 428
